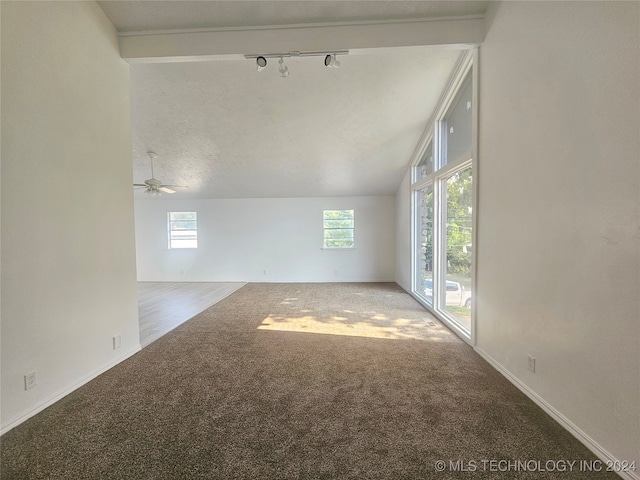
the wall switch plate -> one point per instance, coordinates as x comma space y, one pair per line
117, 341
531, 363
30, 380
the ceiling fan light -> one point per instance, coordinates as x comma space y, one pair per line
153, 186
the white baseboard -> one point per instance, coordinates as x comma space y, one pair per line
571, 427
65, 391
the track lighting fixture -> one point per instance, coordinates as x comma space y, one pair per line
261, 63
330, 59
284, 70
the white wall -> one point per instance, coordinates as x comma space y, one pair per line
238, 239
559, 243
403, 233
68, 249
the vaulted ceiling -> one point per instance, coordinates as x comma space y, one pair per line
228, 131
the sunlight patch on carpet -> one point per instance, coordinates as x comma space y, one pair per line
374, 326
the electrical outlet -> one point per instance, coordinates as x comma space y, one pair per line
531, 363
30, 380
117, 341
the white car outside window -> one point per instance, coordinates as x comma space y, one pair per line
456, 293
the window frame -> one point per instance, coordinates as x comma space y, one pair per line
467, 67
352, 228
170, 238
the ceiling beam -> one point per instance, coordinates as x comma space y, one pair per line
176, 46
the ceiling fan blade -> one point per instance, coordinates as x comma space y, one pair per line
139, 185
166, 190
176, 186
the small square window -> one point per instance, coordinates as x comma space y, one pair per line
339, 228
183, 229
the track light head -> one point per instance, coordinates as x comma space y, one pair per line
261, 63
331, 61
284, 70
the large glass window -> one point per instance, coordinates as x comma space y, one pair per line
424, 259
456, 127
443, 210
458, 243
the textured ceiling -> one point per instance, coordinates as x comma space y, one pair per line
228, 131
129, 16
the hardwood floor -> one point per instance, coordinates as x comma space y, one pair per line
162, 306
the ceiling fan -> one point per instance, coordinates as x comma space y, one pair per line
155, 187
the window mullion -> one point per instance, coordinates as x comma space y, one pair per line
439, 258
440, 145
